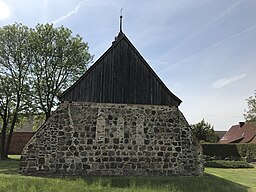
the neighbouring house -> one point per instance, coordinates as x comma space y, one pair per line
241, 133
19, 141
220, 134
118, 119
22, 134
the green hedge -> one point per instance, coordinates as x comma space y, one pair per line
230, 150
227, 164
247, 150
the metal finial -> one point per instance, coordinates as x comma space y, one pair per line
121, 19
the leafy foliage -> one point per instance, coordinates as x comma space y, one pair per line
250, 115
14, 69
58, 59
246, 150
35, 66
204, 132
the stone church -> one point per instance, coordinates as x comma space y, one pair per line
118, 119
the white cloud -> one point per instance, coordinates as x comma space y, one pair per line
74, 11
225, 81
217, 44
227, 11
4, 10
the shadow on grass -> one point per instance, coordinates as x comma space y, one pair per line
206, 183
9, 166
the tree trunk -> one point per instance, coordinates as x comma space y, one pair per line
14, 119
3, 154
47, 115
11, 132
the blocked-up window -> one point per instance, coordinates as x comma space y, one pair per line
140, 131
100, 129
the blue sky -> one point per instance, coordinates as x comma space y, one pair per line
203, 50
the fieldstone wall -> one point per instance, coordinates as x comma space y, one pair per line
113, 139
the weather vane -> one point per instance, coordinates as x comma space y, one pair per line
121, 18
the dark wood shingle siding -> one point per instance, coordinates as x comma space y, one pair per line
121, 75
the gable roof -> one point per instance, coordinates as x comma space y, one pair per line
220, 133
242, 133
121, 75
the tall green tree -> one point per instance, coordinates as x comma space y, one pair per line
15, 60
250, 114
36, 64
204, 131
58, 60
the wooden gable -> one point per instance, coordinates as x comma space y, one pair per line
121, 75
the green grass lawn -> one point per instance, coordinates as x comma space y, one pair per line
245, 177
215, 180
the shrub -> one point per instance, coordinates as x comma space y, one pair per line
227, 164
247, 150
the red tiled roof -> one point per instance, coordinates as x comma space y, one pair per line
220, 133
245, 133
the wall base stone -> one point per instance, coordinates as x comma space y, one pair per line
99, 139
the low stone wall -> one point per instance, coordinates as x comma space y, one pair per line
113, 139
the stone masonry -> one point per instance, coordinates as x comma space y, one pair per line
98, 139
